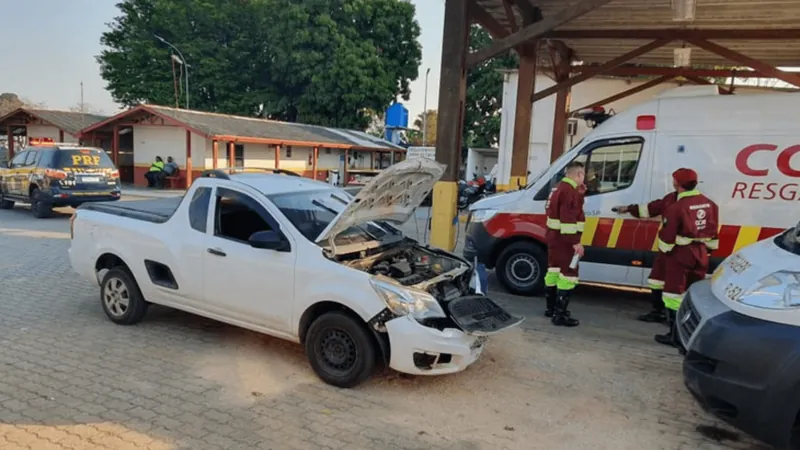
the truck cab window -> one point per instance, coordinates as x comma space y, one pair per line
30, 159
198, 209
238, 216
19, 160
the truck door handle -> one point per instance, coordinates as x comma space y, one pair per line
216, 252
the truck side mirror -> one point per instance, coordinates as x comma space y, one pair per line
269, 240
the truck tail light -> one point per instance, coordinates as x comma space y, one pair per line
55, 174
114, 174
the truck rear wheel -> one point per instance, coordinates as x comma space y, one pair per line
40, 209
5, 204
521, 268
340, 350
121, 298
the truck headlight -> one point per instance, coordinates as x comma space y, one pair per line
482, 215
780, 290
405, 301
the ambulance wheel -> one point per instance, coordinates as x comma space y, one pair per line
521, 268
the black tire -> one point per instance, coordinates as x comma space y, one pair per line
115, 282
521, 268
341, 350
40, 209
5, 204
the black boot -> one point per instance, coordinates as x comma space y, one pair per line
671, 337
551, 296
657, 314
562, 317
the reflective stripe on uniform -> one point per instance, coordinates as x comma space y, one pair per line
664, 247
672, 301
652, 283
644, 212
569, 228
581, 225
551, 277
713, 244
553, 224
566, 283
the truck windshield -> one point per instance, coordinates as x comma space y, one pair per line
312, 211
790, 240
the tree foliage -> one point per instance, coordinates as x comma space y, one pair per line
485, 93
327, 62
415, 136
10, 101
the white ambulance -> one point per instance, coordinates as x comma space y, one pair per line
745, 149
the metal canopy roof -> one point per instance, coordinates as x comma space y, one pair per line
781, 47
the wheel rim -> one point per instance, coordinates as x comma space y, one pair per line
337, 351
116, 297
522, 270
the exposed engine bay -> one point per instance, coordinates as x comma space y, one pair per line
443, 276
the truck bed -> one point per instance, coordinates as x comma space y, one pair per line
155, 211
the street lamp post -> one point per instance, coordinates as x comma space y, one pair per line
425, 111
181, 62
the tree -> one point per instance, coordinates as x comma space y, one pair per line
10, 101
485, 93
326, 62
416, 135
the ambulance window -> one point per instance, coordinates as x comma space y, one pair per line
612, 167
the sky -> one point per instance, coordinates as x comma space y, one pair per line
51, 47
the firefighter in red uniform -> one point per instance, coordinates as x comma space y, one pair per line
688, 233
565, 222
656, 279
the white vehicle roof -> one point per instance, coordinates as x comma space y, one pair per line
269, 184
683, 110
391, 196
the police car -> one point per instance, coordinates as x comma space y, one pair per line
52, 175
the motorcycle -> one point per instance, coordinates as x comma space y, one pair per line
469, 193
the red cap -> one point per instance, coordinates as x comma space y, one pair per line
684, 176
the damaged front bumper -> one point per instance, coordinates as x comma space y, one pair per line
422, 349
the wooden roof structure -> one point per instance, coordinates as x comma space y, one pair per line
765, 30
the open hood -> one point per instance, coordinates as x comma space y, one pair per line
392, 195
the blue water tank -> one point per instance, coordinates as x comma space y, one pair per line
396, 116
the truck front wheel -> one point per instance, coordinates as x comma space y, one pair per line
340, 350
521, 268
122, 300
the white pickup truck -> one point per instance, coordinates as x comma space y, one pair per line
300, 260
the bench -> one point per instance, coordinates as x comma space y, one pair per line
174, 181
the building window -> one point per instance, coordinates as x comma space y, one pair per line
327, 151
288, 151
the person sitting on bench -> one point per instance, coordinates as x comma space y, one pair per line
155, 172
169, 170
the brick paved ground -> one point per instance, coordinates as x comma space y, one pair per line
69, 379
